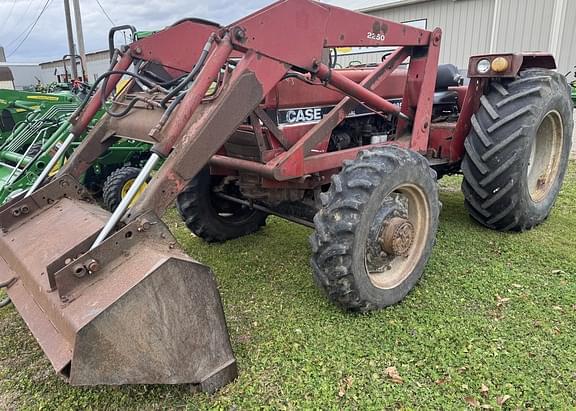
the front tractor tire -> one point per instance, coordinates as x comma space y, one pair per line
376, 228
517, 151
212, 218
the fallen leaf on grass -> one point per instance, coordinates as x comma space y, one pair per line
443, 380
473, 402
393, 375
484, 391
500, 400
244, 338
345, 384
558, 272
516, 285
500, 301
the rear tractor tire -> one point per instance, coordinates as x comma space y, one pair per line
376, 228
212, 218
517, 151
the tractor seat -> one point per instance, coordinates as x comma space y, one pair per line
448, 76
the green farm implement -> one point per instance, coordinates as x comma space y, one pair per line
572, 85
16, 106
28, 149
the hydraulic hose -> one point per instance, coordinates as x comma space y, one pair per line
193, 73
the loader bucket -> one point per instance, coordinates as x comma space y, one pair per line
134, 310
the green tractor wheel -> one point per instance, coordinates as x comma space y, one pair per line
117, 186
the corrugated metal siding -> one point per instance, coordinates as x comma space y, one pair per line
522, 25
566, 59
525, 25
466, 27
25, 75
97, 65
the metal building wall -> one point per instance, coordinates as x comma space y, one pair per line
479, 26
6, 85
566, 55
25, 75
466, 26
97, 63
524, 25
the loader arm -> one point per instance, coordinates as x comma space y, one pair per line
197, 128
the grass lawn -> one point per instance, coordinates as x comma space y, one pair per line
493, 320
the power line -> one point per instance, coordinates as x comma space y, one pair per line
27, 8
106, 14
15, 39
31, 28
21, 18
7, 19
28, 29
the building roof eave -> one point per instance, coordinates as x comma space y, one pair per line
390, 5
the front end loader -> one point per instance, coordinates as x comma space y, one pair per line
254, 119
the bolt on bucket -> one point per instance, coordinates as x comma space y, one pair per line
133, 310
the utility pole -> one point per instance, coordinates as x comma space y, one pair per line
80, 37
71, 50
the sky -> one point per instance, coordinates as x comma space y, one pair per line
46, 40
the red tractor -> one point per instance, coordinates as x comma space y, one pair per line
254, 119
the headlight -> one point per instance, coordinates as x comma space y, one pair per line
483, 66
500, 65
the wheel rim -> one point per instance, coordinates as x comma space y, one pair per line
227, 211
545, 156
126, 188
397, 236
